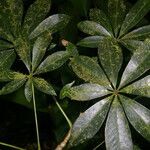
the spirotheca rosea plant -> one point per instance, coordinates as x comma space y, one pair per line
29, 38
115, 105
116, 21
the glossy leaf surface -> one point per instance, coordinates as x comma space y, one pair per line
53, 62
138, 64
91, 41
39, 49
43, 86
28, 90
52, 24
89, 122
110, 56
83, 92
140, 87
89, 70
117, 132
92, 28
12, 86
116, 11
138, 115
36, 13
137, 12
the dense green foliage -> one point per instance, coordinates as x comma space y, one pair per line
111, 70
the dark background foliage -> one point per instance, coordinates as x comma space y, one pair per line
17, 121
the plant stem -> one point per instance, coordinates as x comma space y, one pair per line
64, 114
36, 121
12, 146
98, 145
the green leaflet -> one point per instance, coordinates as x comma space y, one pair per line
35, 14
100, 17
39, 49
28, 90
11, 12
138, 115
117, 131
4, 44
138, 34
22, 47
89, 70
7, 75
12, 86
92, 28
52, 62
138, 64
83, 92
52, 24
138, 11
91, 41
140, 87
43, 86
117, 12
7, 58
110, 56
131, 45
89, 122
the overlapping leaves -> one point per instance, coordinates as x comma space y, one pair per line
18, 33
116, 22
117, 107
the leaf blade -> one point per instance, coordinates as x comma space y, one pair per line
137, 12
138, 64
108, 50
117, 132
52, 24
39, 9
89, 70
89, 122
83, 92
138, 115
91, 41
39, 49
43, 86
93, 28
53, 61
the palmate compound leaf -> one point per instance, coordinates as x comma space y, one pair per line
138, 64
52, 62
140, 87
138, 115
91, 41
7, 58
52, 24
110, 56
138, 34
89, 70
83, 92
137, 12
36, 13
117, 131
11, 15
39, 49
89, 122
100, 17
43, 86
116, 12
93, 28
